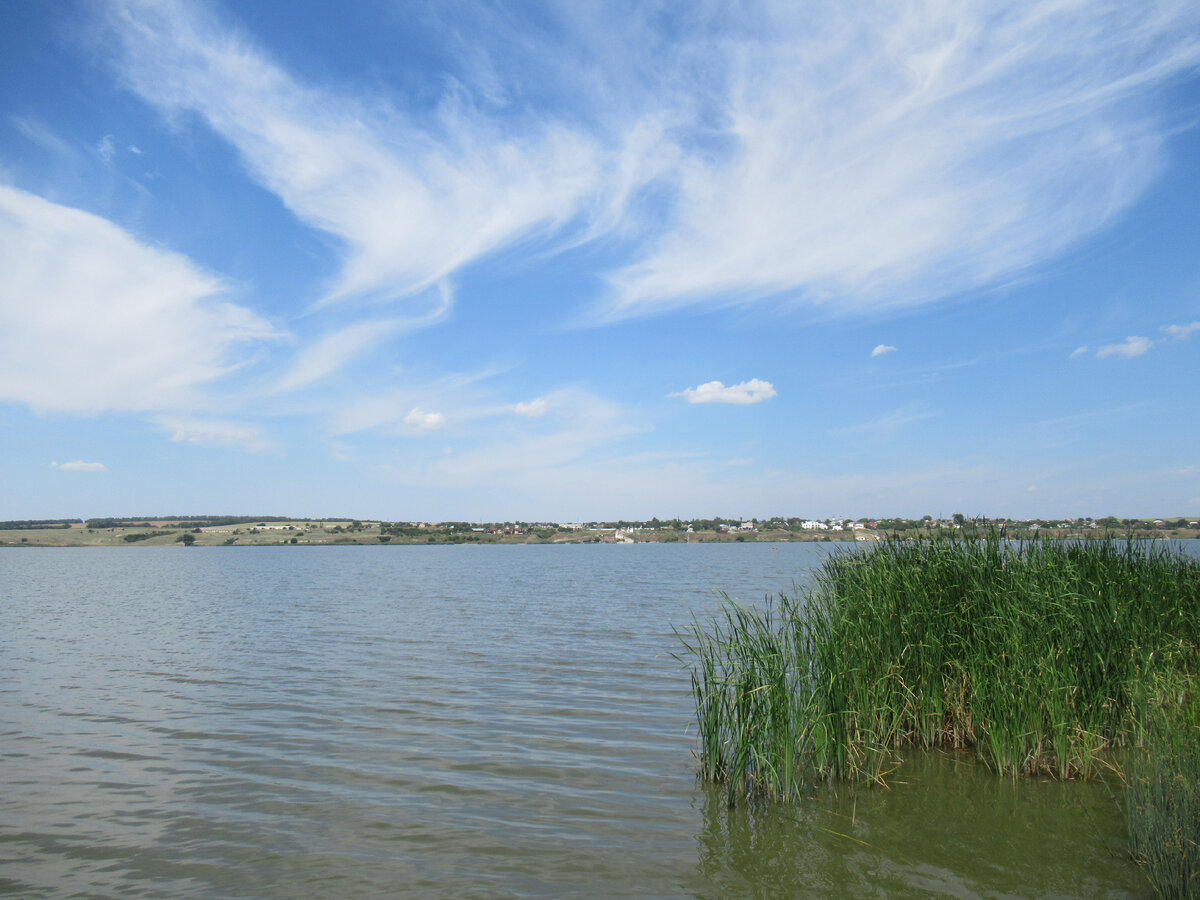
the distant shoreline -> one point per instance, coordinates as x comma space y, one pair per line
342, 533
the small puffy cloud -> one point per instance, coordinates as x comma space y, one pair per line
80, 466
1131, 347
533, 409
753, 391
1078, 351
1181, 332
216, 433
423, 421
881, 349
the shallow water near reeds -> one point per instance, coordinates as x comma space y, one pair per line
449, 722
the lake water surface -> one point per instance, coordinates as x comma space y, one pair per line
498, 721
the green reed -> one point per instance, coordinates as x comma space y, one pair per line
1036, 656
1162, 790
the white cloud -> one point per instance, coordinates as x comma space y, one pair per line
1135, 345
412, 198
849, 155
583, 432
41, 135
881, 349
1078, 351
424, 421
80, 466
1125, 411
107, 148
1132, 346
217, 433
92, 320
382, 408
753, 391
890, 422
881, 154
1181, 332
533, 409
332, 351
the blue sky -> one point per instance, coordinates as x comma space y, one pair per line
581, 261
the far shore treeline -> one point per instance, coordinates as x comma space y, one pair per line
218, 530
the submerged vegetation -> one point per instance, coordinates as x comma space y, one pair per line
1037, 656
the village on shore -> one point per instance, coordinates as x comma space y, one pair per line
266, 530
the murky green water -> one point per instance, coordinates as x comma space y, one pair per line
448, 722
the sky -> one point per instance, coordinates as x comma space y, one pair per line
594, 260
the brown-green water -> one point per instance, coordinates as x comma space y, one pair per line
449, 722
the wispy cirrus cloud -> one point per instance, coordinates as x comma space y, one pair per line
106, 148
1125, 410
851, 156
245, 436
881, 349
584, 431
331, 351
411, 197
743, 393
1133, 346
92, 320
79, 466
887, 154
1181, 332
334, 348
37, 132
888, 423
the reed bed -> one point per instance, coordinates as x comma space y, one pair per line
1162, 794
1036, 656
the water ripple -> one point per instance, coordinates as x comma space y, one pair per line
427, 722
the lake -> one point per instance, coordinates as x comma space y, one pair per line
457, 721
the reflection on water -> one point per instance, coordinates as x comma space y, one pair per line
945, 827
447, 722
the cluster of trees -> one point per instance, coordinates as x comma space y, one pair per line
19, 524
145, 536
183, 521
